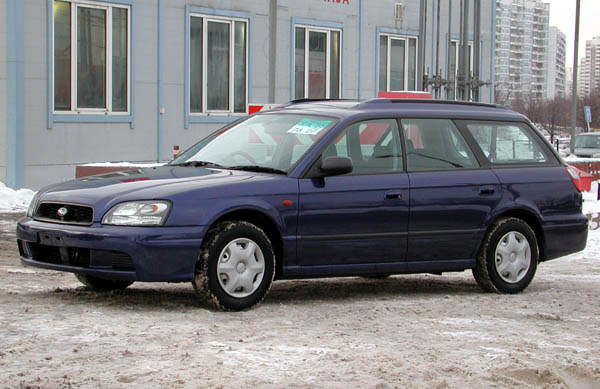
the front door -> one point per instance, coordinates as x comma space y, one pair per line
361, 217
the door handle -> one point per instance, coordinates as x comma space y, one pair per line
486, 190
393, 195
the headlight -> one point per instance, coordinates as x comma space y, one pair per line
33, 204
138, 213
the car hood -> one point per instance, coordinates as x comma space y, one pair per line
163, 182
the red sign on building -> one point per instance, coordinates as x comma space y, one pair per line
338, 1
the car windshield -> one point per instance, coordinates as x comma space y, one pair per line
587, 141
269, 143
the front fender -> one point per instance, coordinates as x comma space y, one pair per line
255, 205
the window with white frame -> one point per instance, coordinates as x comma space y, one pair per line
397, 63
453, 56
218, 64
317, 63
91, 57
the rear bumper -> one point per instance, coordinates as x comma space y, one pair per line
166, 254
565, 238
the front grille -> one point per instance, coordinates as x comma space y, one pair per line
81, 257
75, 213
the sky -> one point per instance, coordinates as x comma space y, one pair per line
562, 15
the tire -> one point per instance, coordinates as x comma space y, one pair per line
243, 283
508, 258
101, 284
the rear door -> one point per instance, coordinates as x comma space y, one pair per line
451, 195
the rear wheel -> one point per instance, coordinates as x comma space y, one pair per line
236, 266
96, 283
508, 258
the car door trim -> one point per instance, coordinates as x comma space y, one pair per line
386, 234
353, 236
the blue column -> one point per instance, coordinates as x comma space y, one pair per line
159, 82
15, 94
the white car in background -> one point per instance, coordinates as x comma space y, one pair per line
587, 145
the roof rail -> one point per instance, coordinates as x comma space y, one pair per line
424, 101
309, 100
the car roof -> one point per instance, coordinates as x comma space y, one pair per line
345, 109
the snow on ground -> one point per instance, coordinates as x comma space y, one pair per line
124, 164
574, 158
14, 200
591, 205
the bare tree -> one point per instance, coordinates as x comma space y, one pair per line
530, 106
502, 95
555, 114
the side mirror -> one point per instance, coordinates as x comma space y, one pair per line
335, 166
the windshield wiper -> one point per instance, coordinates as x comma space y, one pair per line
197, 164
256, 168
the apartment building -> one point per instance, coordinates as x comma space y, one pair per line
556, 76
589, 81
521, 48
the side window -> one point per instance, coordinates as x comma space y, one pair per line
373, 146
507, 143
435, 144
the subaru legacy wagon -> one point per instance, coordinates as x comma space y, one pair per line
321, 189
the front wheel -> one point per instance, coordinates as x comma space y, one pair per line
235, 267
96, 283
508, 258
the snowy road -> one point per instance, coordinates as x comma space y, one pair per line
405, 331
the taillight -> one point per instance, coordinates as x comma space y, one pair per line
574, 174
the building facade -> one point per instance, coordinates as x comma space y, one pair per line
91, 81
521, 48
589, 81
556, 76
569, 81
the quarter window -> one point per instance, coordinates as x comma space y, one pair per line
397, 63
507, 143
433, 144
91, 57
218, 64
317, 63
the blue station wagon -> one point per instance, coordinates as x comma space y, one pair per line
321, 189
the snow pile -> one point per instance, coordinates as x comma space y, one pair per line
574, 158
590, 200
14, 200
124, 164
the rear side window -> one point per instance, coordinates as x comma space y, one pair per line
433, 144
507, 143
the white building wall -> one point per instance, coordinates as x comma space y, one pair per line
3, 49
51, 154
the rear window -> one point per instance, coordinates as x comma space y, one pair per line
508, 143
587, 141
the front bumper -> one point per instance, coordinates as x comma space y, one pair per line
163, 254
